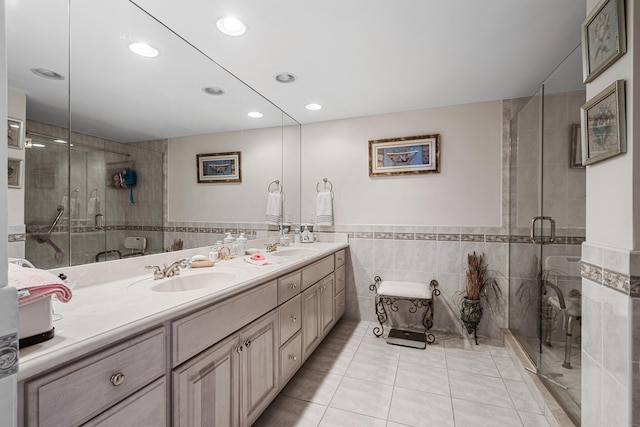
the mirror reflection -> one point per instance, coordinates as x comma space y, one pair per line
113, 141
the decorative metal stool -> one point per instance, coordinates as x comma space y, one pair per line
420, 295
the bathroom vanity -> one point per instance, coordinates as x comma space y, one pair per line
210, 347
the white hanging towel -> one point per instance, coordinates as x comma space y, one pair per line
273, 214
324, 208
93, 207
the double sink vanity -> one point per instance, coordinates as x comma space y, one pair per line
208, 347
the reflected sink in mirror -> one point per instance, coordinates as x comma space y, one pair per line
294, 252
186, 283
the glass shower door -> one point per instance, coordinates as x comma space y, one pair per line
547, 226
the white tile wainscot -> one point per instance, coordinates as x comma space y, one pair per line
123, 351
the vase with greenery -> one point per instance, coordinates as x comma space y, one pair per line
480, 285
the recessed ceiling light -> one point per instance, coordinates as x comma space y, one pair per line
38, 145
286, 78
60, 141
47, 74
255, 114
313, 107
212, 90
231, 26
144, 49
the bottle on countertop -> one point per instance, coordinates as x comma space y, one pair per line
241, 242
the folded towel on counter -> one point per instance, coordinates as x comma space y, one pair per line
34, 284
324, 208
273, 214
265, 261
93, 207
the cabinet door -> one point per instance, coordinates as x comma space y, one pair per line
310, 319
206, 389
259, 374
327, 299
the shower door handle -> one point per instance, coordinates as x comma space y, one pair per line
541, 239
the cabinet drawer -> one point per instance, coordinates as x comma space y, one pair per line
340, 279
341, 304
340, 257
202, 329
317, 271
290, 359
148, 407
288, 286
290, 318
80, 391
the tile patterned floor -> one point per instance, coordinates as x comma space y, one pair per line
356, 379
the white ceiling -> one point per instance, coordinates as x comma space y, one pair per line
355, 57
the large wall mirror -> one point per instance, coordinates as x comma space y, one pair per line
92, 110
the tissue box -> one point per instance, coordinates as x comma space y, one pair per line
35, 323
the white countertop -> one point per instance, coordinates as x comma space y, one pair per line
113, 300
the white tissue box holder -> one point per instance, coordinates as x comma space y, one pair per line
35, 323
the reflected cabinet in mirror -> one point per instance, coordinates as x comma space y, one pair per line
112, 134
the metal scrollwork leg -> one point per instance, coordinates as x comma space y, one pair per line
381, 313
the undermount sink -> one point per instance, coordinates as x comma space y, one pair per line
293, 252
185, 283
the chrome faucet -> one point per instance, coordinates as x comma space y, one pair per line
157, 272
174, 268
272, 247
168, 270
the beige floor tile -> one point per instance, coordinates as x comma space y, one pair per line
478, 415
507, 368
471, 362
423, 378
432, 356
363, 397
533, 420
373, 369
332, 361
338, 418
521, 397
288, 412
312, 386
479, 388
415, 408
378, 348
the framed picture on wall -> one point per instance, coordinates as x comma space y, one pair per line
603, 122
15, 134
404, 156
603, 38
14, 169
219, 167
575, 152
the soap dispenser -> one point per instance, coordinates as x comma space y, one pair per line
241, 241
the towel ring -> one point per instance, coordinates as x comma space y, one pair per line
278, 188
325, 182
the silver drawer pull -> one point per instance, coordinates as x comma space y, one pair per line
340, 279
293, 357
239, 349
117, 379
293, 285
293, 318
247, 343
340, 259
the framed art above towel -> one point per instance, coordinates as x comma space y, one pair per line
404, 156
219, 167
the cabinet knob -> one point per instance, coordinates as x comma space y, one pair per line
247, 343
239, 349
117, 379
293, 357
293, 318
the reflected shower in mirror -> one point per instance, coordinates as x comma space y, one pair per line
114, 111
